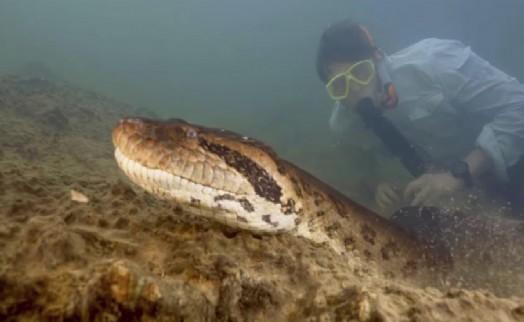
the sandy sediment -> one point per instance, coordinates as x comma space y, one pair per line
115, 253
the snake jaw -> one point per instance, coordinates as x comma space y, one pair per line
237, 211
206, 175
173, 147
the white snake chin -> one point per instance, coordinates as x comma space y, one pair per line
233, 210
242, 183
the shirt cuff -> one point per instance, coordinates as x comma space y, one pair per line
487, 141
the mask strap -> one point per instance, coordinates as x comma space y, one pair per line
389, 92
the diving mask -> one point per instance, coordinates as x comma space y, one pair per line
361, 72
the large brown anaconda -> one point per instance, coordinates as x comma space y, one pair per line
242, 183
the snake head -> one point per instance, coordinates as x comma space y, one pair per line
210, 172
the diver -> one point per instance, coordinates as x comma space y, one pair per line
462, 117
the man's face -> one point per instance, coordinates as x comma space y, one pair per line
356, 91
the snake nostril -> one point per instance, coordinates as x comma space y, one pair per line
191, 133
230, 233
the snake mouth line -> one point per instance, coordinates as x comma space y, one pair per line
159, 181
230, 209
206, 172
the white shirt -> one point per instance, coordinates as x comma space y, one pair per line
451, 101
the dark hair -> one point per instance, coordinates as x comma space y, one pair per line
342, 41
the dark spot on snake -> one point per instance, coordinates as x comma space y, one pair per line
288, 207
178, 211
246, 205
230, 233
331, 229
195, 202
349, 241
267, 218
368, 234
297, 221
389, 250
307, 188
296, 186
243, 201
241, 219
317, 197
261, 181
281, 169
224, 197
298, 192
341, 209
320, 213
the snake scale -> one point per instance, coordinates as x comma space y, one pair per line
242, 183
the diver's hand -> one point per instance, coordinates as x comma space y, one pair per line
386, 196
432, 186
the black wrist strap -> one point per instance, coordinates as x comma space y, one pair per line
460, 170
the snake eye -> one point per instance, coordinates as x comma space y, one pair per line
191, 133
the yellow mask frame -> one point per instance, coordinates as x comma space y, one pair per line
347, 76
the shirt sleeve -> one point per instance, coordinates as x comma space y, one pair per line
477, 89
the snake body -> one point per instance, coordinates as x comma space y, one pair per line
242, 183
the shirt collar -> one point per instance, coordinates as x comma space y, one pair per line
382, 66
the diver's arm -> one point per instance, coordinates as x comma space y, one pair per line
479, 90
478, 162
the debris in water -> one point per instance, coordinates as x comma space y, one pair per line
78, 196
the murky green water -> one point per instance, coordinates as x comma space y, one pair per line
243, 65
